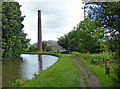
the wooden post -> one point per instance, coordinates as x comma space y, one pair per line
107, 66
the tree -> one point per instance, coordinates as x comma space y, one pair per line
77, 40
32, 48
14, 40
49, 49
64, 41
44, 46
107, 14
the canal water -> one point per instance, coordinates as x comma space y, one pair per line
25, 67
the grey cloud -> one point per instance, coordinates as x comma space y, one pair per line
47, 8
50, 9
56, 18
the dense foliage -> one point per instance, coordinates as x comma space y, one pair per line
99, 32
86, 38
107, 14
14, 40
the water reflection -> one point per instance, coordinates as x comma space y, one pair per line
25, 67
40, 61
30, 66
11, 71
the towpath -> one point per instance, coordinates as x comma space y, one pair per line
87, 79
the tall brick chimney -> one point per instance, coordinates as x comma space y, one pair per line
39, 31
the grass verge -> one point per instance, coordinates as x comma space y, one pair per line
42, 52
64, 73
97, 71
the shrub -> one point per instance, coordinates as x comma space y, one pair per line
17, 83
32, 48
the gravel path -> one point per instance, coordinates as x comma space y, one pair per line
93, 81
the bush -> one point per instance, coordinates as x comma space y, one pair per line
32, 48
96, 59
17, 83
49, 49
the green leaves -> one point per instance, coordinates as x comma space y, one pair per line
106, 13
14, 40
44, 46
86, 38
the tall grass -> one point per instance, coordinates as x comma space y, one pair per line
96, 64
98, 58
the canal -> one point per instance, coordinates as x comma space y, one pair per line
25, 67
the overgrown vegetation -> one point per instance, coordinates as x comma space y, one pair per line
77, 40
14, 40
96, 69
107, 15
99, 32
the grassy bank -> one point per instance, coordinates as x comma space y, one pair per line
42, 52
96, 70
64, 73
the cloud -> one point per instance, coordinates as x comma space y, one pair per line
58, 17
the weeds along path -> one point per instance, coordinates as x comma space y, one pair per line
87, 79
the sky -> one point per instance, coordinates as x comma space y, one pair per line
58, 17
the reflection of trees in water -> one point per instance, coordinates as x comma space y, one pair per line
11, 70
40, 61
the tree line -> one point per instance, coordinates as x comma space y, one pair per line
99, 32
87, 37
45, 47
